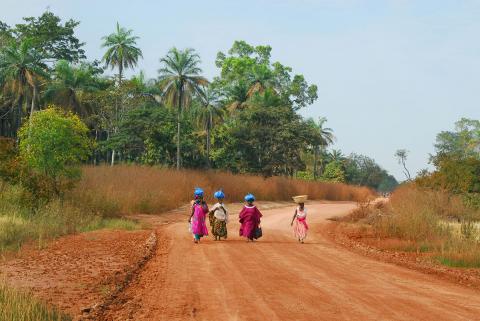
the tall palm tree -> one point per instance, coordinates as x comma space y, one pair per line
326, 138
207, 113
22, 68
179, 80
121, 53
69, 84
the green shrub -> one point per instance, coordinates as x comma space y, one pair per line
52, 145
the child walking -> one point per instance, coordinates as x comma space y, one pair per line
219, 217
300, 218
198, 216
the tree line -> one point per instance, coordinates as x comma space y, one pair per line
244, 120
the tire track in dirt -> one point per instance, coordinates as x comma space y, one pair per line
277, 278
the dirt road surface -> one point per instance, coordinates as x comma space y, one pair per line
277, 278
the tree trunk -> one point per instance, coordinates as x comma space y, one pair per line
113, 158
32, 107
406, 172
95, 150
118, 107
315, 159
208, 146
180, 98
18, 117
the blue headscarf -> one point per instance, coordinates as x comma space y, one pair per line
249, 198
219, 194
198, 192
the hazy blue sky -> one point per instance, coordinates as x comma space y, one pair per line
391, 74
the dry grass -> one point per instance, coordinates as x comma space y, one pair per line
423, 221
19, 223
413, 215
134, 189
19, 306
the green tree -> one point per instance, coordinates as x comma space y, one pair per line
6, 36
463, 142
69, 84
180, 80
266, 138
121, 53
322, 138
207, 113
363, 170
334, 172
53, 146
336, 155
22, 68
50, 37
247, 70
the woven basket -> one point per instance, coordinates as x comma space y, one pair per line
300, 198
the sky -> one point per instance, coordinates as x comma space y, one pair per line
391, 74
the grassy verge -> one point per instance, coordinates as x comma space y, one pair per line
423, 221
20, 306
19, 223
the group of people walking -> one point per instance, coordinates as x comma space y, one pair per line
249, 218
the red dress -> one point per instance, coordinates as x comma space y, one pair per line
249, 219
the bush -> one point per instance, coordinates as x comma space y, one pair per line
9, 164
52, 145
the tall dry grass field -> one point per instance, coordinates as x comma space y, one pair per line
133, 189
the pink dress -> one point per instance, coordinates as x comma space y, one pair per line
198, 220
249, 219
300, 227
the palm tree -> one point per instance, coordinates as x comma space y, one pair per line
179, 80
121, 53
69, 84
207, 113
336, 155
238, 95
326, 138
21, 68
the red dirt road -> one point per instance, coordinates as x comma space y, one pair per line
277, 278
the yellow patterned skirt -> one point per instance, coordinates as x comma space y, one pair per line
219, 228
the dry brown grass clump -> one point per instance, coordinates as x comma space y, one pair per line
20, 306
366, 212
132, 189
421, 220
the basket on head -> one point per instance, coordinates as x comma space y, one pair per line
300, 198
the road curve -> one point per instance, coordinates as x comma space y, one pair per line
277, 278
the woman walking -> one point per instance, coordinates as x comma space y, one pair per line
250, 219
300, 218
198, 216
219, 217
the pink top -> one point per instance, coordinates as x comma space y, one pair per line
250, 219
198, 220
